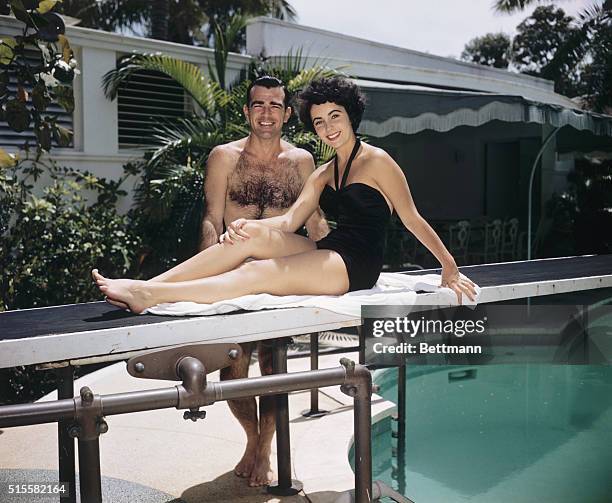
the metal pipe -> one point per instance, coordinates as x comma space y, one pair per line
362, 345
25, 414
138, 401
283, 440
65, 443
362, 419
90, 481
401, 428
281, 383
531, 177
314, 365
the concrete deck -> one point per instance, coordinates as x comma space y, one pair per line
157, 456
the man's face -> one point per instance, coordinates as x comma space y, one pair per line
266, 113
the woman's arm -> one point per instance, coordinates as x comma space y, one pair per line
393, 183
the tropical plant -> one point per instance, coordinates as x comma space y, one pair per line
539, 37
169, 197
491, 49
189, 22
582, 214
40, 64
590, 41
53, 235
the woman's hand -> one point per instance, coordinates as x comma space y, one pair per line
234, 232
452, 279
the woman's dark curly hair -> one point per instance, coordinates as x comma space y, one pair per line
333, 90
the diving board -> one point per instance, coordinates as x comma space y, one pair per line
79, 334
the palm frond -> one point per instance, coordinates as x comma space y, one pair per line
205, 91
282, 9
198, 133
297, 69
225, 38
107, 15
578, 43
512, 6
306, 76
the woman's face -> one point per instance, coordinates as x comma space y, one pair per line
332, 124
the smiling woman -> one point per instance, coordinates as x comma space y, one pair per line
349, 258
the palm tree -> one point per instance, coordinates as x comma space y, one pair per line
189, 22
592, 37
169, 196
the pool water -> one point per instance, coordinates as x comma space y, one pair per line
494, 433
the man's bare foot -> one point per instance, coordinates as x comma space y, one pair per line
245, 465
125, 291
262, 473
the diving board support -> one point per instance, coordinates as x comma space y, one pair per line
65, 443
87, 412
285, 485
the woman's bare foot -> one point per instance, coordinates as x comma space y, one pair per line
132, 293
116, 303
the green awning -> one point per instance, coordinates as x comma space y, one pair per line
412, 109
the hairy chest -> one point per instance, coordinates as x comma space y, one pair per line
273, 185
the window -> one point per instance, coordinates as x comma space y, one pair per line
147, 100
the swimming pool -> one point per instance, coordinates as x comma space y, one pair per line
501, 432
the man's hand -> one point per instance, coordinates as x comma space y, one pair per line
453, 280
234, 232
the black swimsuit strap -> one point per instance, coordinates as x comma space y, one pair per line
348, 165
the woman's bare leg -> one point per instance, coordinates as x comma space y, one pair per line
317, 272
264, 242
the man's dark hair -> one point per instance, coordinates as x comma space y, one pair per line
268, 82
333, 90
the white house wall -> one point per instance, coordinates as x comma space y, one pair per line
372, 60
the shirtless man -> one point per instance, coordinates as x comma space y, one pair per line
259, 176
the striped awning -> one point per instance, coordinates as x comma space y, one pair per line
412, 109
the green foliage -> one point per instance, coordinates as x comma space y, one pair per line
539, 38
190, 22
582, 215
492, 49
575, 53
597, 75
51, 240
46, 79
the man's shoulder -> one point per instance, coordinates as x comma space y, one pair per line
226, 153
294, 153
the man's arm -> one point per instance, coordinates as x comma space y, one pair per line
316, 225
215, 187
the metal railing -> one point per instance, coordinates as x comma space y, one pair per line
190, 364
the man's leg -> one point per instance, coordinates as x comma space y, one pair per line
245, 410
262, 473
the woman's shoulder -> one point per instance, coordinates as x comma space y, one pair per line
375, 154
378, 158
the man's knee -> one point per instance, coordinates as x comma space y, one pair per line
256, 230
260, 237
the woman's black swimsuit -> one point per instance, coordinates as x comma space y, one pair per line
361, 213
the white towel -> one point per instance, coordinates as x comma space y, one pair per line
391, 289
